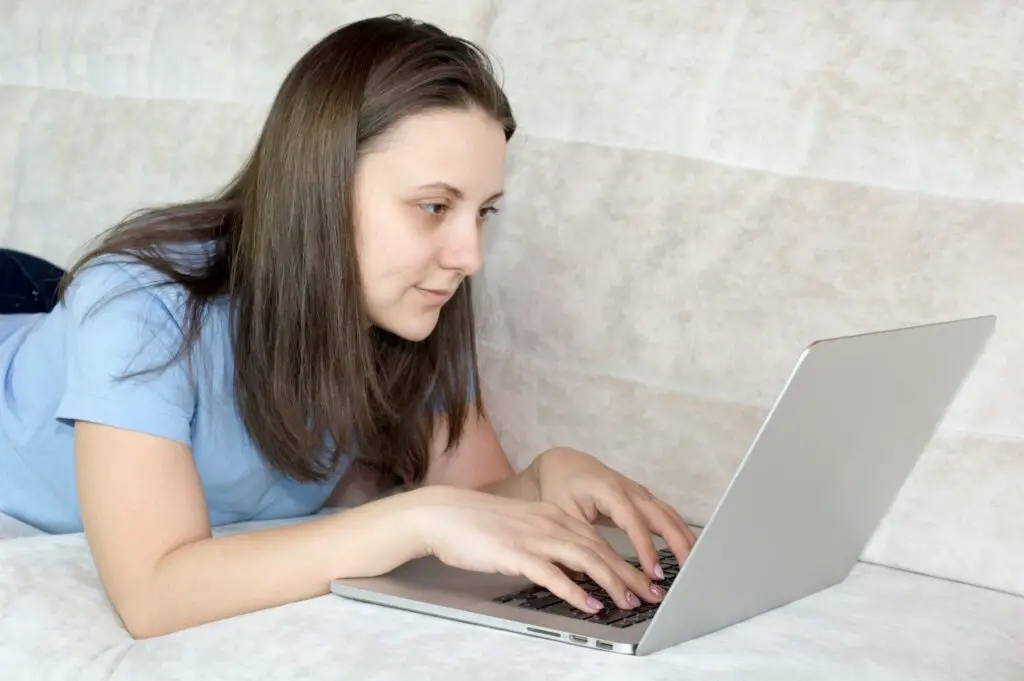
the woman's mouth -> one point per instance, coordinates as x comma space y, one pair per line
435, 295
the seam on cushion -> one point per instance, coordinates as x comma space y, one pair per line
946, 428
143, 97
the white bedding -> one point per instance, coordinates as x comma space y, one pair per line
880, 625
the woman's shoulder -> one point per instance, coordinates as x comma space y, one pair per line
122, 317
128, 280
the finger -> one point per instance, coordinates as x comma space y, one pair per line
636, 581
679, 522
690, 537
544, 573
576, 556
570, 573
667, 525
623, 512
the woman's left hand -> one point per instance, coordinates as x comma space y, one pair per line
586, 488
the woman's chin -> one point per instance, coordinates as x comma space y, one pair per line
413, 327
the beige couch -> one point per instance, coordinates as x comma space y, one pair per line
698, 190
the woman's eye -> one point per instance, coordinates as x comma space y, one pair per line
488, 212
435, 209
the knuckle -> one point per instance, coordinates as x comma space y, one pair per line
637, 525
550, 572
525, 546
545, 516
591, 534
617, 484
547, 525
586, 556
544, 572
598, 548
637, 489
549, 509
539, 508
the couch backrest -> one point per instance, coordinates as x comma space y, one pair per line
698, 190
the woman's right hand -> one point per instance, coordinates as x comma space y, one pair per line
482, 532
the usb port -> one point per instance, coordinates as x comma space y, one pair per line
577, 639
603, 645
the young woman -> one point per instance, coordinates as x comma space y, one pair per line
244, 357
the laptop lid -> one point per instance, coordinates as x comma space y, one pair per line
829, 460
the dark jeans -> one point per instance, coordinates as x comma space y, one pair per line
27, 284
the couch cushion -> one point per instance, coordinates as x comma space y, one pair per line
702, 188
880, 624
13, 529
705, 188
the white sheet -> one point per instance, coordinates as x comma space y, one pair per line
879, 625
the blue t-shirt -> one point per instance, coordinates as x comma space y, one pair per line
64, 366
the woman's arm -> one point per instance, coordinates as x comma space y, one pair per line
478, 461
147, 524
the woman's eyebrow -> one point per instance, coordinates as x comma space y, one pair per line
455, 191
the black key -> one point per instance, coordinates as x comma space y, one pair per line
628, 622
635, 619
608, 616
523, 594
567, 610
644, 616
541, 603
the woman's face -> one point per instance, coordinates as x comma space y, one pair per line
422, 196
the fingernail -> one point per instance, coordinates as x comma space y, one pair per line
594, 604
657, 591
632, 600
658, 572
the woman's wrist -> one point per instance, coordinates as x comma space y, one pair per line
392, 521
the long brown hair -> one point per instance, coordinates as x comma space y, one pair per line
310, 369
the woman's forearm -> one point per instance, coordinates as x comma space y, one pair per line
225, 576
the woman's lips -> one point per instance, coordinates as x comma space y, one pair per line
435, 295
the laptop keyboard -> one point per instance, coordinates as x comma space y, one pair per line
539, 598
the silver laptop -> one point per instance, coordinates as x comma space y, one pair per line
831, 456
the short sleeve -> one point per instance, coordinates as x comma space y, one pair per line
117, 325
